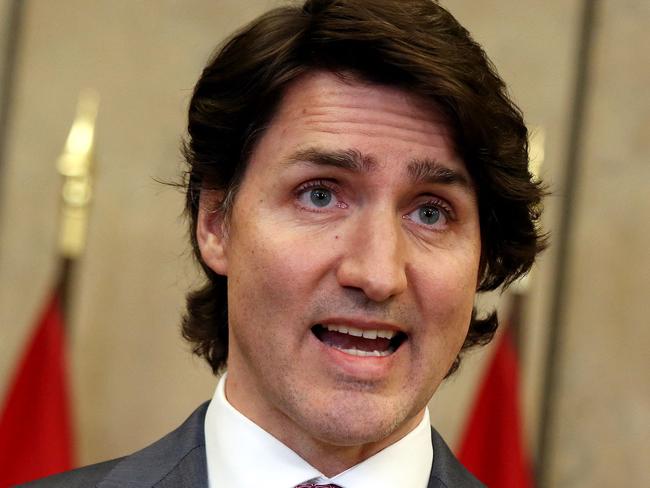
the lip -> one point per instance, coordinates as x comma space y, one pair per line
360, 368
362, 324
365, 368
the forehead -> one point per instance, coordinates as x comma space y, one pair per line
386, 126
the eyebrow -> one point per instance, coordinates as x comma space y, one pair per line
349, 159
433, 171
419, 170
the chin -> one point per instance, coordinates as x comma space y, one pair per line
338, 432
353, 423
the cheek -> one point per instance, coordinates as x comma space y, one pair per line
448, 284
273, 269
281, 249
446, 295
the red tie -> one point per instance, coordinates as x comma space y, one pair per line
312, 485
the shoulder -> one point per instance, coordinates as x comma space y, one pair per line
447, 472
77, 478
178, 459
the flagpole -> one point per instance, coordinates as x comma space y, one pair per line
65, 278
36, 426
76, 165
557, 321
12, 26
519, 290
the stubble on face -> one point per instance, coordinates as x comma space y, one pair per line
291, 267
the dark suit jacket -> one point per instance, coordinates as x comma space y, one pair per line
178, 460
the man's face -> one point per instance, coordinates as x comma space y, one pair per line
355, 216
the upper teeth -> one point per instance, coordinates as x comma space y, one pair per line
367, 333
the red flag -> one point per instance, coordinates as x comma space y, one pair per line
492, 447
35, 426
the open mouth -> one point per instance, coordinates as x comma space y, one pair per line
359, 342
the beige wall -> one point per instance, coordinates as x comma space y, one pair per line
602, 419
5, 19
133, 377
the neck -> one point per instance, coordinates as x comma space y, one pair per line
330, 458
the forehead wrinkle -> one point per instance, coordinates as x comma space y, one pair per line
329, 108
349, 114
376, 122
371, 127
407, 135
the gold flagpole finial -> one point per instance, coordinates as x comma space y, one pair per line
75, 165
536, 149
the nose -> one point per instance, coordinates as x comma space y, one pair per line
373, 260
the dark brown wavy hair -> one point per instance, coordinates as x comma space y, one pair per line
415, 45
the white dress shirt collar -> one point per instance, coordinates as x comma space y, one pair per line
241, 454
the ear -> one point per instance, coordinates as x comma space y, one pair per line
211, 232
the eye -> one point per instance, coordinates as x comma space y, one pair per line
435, 215
319, 194
321, 197
429, 215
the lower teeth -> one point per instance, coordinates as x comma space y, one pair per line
358, 352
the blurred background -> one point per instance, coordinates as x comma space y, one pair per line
578, 69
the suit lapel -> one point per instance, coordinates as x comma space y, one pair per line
190, 471
178, 459
446, 471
